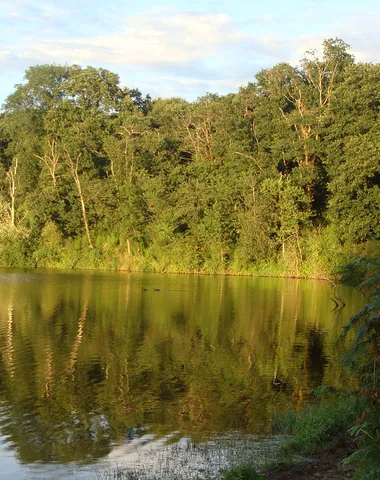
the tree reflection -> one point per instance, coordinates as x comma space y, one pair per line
86, 358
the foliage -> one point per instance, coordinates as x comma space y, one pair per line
363, 358
314, 427
280, 178
241, 472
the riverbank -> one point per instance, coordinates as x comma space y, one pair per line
320, 258
327, 464
311, 444
319, 443
317, 446
321, 439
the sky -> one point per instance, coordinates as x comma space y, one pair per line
176, 48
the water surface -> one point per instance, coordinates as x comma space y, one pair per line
94, 365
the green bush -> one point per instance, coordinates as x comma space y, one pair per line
15, 250
363, 359
315, 426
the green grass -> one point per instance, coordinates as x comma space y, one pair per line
315, 427
241, 472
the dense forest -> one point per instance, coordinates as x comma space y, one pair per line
281, 178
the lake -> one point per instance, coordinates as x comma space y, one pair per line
98, 367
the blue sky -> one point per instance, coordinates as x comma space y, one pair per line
178, 48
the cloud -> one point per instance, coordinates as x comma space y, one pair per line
150, 39
358, 29
184, 52
364, 47
172, 52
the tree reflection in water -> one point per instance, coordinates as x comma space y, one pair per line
88, 358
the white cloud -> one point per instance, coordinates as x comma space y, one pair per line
359, 30
147, 39
169, 52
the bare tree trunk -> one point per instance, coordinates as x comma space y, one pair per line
51, 160
128, 246
12, 174
74, 172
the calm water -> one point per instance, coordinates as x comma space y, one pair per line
94, 364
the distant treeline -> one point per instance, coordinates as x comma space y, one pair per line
280, 178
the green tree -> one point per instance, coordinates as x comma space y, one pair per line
352, 159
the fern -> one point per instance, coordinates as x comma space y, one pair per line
363, 357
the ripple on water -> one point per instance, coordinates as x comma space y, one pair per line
96, 368
149, 457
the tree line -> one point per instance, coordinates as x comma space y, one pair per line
280, 178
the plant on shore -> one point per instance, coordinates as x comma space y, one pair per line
363, 358
241, 472
314, 427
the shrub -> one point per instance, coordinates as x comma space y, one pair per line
363, 359
315, 426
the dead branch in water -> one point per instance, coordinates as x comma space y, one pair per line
337, 298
